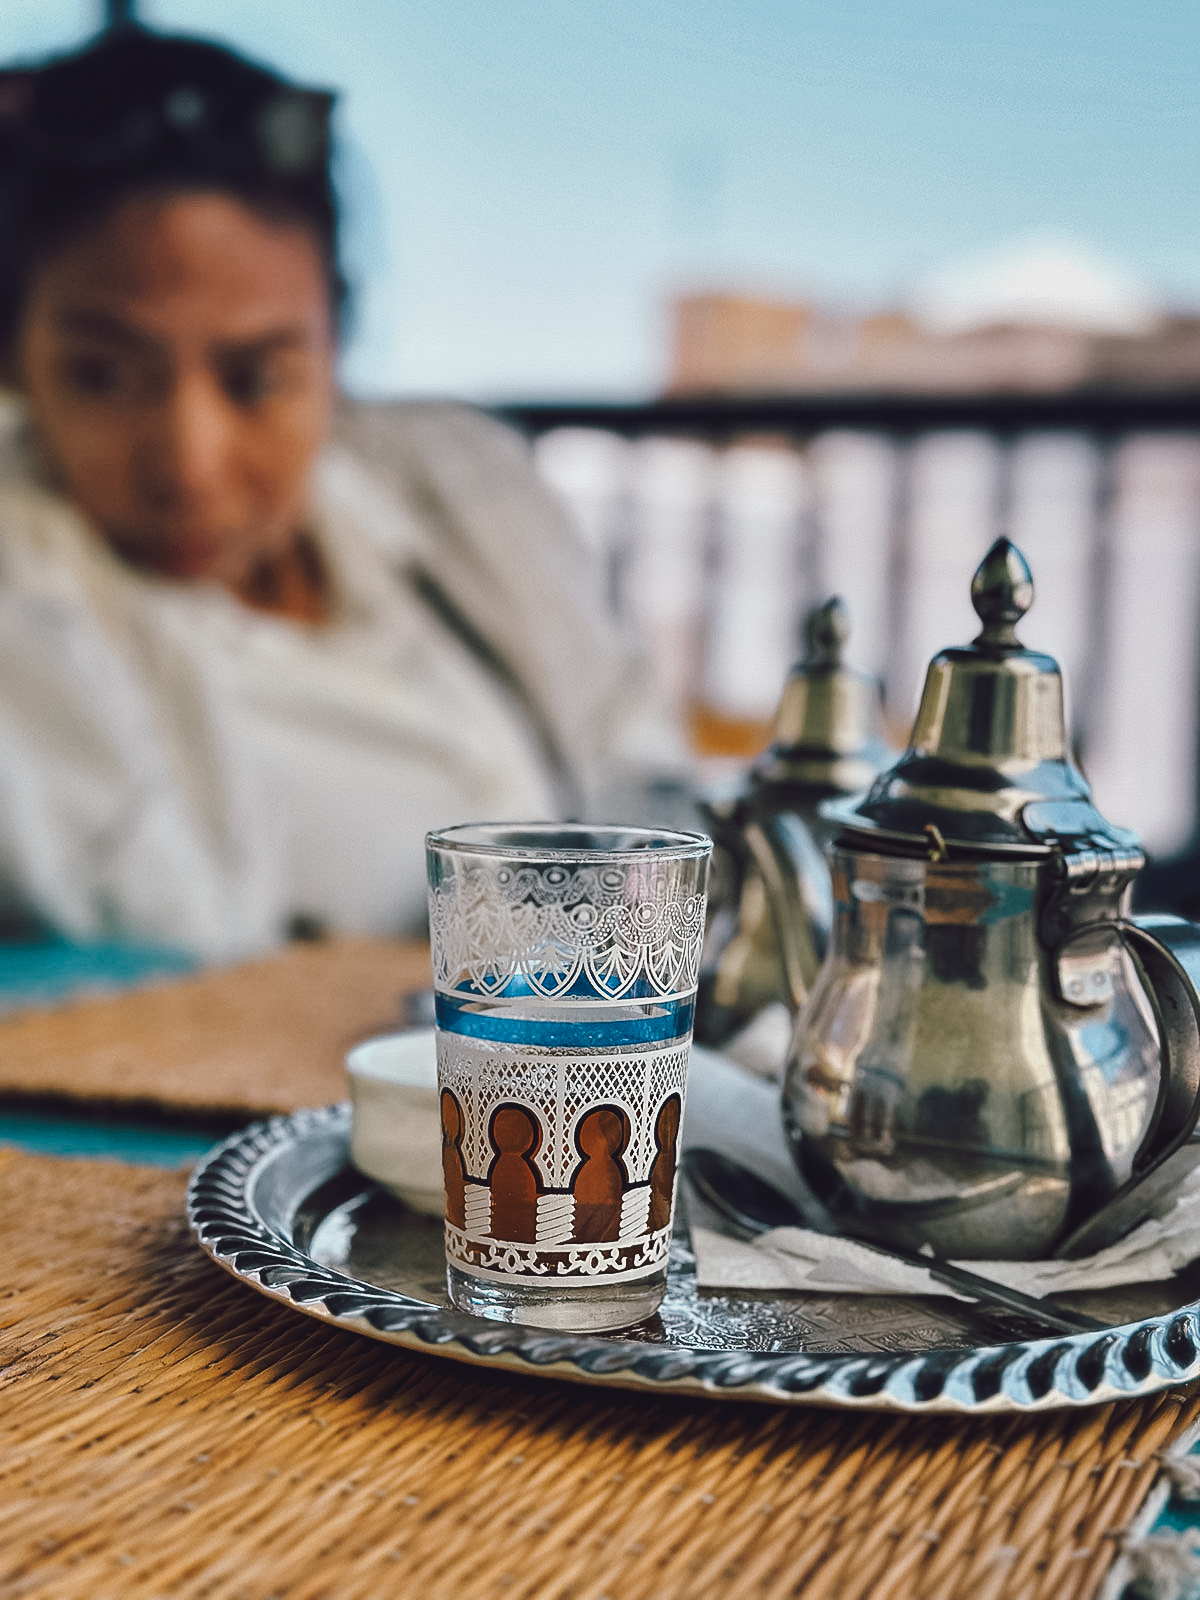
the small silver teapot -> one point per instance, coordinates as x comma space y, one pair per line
770, 903
996, 1060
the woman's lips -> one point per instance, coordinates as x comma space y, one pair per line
192, 553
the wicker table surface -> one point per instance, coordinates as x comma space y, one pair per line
164, 1432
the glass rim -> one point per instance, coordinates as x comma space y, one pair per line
632, 843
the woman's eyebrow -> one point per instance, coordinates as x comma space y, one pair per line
294, 336
103, 325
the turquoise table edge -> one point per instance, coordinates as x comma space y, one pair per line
1160, 1550
46, 971
136, 1142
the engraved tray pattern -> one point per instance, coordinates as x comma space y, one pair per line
279, 1207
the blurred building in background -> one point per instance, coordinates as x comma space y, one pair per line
729, 342
1040, 317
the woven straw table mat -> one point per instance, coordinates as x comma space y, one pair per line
165, 1432
239, 1041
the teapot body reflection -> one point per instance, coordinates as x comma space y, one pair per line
995, 1059
939, 1089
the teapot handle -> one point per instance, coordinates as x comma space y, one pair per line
796, 877
1166, 950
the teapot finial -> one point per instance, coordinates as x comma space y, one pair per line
824, 735
1001, 592
989, 740
826, 632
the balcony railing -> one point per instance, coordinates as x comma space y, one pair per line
722, 519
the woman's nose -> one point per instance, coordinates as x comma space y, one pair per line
189, 462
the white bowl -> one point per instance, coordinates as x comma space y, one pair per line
397, 1133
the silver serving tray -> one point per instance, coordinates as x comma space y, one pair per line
281, 1208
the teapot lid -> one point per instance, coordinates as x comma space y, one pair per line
987, 767
825, 737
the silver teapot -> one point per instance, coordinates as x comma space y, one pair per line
770, 902
996, 1060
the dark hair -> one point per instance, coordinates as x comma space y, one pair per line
138, 111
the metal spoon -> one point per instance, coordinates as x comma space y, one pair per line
754, 1206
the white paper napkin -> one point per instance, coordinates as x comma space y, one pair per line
795, 1258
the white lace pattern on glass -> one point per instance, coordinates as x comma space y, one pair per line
542, 930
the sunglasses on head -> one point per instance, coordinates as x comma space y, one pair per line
280, 130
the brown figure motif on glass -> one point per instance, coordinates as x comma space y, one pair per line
515, 1135
600, 1180
662, 1173
454, 1173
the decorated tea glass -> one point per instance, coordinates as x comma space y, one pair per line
565, 961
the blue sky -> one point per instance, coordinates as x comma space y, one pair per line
528, 181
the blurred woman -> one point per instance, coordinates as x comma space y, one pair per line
248, 653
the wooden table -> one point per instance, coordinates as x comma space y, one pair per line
166, 1432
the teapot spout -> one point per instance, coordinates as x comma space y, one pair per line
773, 914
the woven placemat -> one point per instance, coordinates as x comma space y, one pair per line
165, 1432
249, 1040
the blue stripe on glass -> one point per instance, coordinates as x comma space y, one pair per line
586, 1029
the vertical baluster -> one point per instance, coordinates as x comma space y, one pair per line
853, 476
812, 567
1003, 485
590, 469
1090, 692
763, 491
899, 581
671, 484
1142, 754
1052, 520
